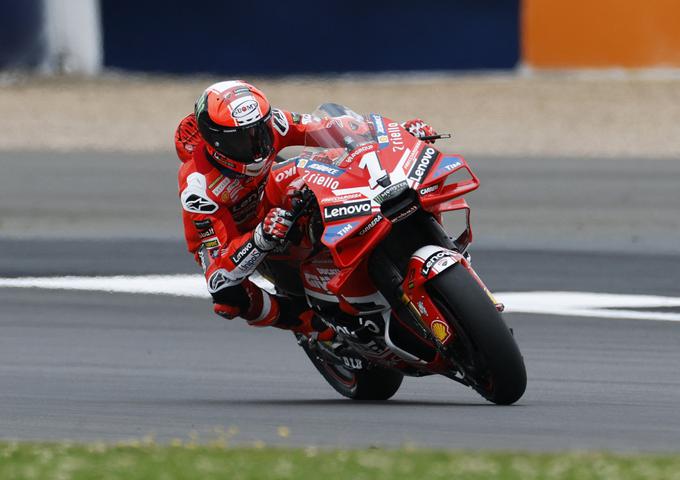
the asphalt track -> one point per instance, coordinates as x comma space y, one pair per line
101, 366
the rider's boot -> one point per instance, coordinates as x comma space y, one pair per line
298, 318
261, 309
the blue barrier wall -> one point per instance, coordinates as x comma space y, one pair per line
309, 36
22, 43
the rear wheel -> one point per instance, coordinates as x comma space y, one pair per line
374, 383
484, 346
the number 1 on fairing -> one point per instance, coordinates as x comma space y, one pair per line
376, 173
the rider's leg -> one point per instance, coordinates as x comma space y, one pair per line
261, 309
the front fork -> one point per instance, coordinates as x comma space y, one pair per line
426, 263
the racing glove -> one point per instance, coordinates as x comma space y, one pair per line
272, 231
419, 129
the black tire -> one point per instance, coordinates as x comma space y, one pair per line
375, 383
484, 346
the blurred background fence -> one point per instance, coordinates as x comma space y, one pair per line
307, 36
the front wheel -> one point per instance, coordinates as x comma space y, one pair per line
374, 383
484, 346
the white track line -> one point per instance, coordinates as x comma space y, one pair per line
579, 304
176, 285
585, 304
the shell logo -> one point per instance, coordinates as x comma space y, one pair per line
440, 330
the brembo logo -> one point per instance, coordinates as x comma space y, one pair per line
341, 212
244, 108
423, 164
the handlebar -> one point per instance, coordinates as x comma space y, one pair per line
439, 136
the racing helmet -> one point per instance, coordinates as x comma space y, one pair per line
234, 120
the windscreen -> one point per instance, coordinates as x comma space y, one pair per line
334, 133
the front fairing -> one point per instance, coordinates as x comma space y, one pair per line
363, 170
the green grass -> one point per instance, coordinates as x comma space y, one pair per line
149, 461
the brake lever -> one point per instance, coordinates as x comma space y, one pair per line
432, 138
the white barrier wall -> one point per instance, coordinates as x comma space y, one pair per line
74, 39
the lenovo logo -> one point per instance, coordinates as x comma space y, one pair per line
340, 212
423, 164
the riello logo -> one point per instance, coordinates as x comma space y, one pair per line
340, 212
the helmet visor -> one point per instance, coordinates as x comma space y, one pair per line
244, 144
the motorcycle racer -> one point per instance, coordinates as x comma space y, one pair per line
227, 147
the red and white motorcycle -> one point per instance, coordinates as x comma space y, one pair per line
371, 257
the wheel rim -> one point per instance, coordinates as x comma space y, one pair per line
342, 375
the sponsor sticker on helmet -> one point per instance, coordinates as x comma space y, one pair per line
244, 108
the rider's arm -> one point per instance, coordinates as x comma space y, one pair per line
227, 255
187, 138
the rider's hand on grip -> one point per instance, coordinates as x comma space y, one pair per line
419, 128
272, 231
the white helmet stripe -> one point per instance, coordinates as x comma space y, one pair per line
221, 87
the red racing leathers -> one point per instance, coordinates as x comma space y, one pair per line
220, 213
